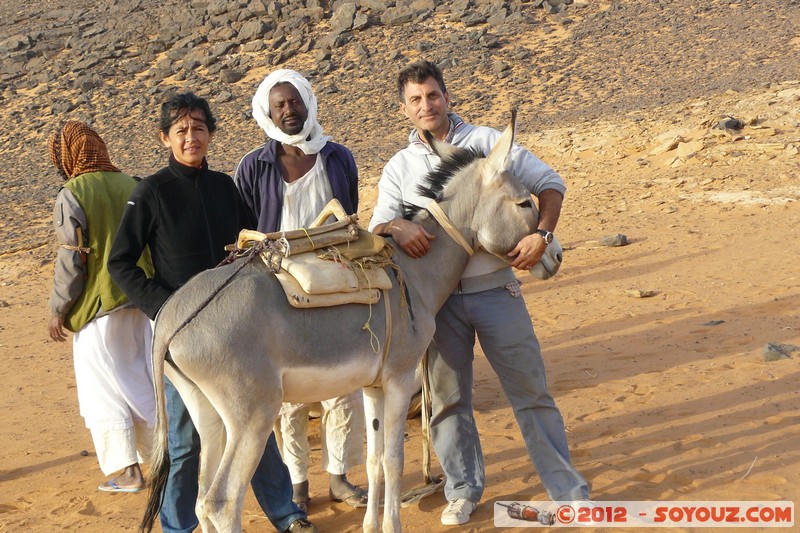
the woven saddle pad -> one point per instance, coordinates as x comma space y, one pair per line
326, 265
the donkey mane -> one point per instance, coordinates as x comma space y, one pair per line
434, 183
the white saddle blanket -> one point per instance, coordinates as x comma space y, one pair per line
320, 276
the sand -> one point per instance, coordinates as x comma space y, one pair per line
653, 350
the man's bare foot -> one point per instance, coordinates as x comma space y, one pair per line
341, 490
300, 495
130, 480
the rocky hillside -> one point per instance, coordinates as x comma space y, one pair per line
562, 62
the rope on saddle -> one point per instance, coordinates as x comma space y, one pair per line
387, 305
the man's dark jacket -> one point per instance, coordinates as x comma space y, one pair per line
259, 179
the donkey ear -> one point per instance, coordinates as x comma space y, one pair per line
442, 149
499, 159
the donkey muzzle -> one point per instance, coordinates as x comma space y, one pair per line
550, 262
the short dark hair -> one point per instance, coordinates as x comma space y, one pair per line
181, 105
418, 72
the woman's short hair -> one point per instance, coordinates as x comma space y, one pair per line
181, 105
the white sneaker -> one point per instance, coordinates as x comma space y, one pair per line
458, 511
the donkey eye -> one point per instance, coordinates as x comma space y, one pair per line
525, 203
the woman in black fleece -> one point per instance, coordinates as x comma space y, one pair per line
187, 213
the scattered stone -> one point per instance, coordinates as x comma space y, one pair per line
775, 351
84, 453
253, 29
498, 17
730, 123
15, 43
361, 22
254, 46
87, 82
714, 323
424, 5
687, 150
377, 7
666, 146
395, 16
640, 293
498, 66
613, 240
231, 75
473, 19
343, 17
361, 51
489, 41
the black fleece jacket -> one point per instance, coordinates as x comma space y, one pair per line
186, 216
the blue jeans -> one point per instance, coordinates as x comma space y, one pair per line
271, 483
504, 329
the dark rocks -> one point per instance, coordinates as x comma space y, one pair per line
361, 22
377, 7
613, 240
395, 16
87, 82
231, 75
15, 43
252, 30
343, 17
489, 41
472, 19
774, 351
730, 123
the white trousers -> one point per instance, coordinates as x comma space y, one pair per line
342, 431
115, 385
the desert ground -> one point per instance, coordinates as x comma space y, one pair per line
658, 352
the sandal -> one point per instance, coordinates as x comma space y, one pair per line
355, 498
110, 486
302, 504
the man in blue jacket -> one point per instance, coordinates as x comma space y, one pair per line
285, 184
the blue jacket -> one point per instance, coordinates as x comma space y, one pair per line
259, 180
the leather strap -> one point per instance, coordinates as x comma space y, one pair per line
387, 304
440, 216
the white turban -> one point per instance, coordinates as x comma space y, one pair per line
310, 140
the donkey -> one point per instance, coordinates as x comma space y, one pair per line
246, 349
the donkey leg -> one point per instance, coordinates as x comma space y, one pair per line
211, 430
247, 428
373, 411
398, 396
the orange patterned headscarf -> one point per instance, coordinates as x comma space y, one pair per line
76, 149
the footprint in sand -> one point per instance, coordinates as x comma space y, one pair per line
20, 505
76, 505
88, 509
589, 417
669, 481
639, 394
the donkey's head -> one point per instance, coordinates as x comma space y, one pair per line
490, 201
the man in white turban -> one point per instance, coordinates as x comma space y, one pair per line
285, 184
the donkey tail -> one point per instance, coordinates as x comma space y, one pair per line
159, 455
